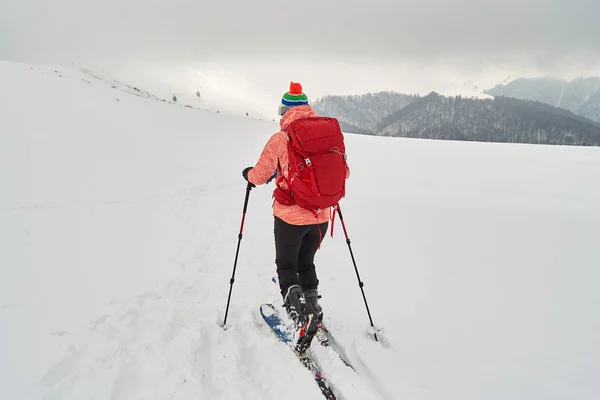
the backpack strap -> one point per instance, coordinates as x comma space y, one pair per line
319, 228
313, 182
333, 212
282, 178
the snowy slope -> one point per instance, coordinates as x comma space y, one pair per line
119, 220
220, 88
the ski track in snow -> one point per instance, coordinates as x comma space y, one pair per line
173, 332
157, 335
359, 380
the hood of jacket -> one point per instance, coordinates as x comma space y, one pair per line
296, 113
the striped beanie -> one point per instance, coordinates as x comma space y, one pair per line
294, 97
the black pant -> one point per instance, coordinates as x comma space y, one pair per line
295, 248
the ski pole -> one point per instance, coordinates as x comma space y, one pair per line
360, 283
248, 189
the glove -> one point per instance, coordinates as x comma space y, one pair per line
272, 177
245, 175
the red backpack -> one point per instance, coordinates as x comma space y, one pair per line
317, 168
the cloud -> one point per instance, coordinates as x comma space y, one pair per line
388, 29
449, 37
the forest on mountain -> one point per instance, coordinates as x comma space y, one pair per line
501, 119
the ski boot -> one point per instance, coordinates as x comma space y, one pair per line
313, 321
295, 305
313, 306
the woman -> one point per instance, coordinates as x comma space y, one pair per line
298, 231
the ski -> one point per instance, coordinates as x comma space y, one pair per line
278, 326
326, 339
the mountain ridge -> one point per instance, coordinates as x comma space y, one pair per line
434, 116
580, 95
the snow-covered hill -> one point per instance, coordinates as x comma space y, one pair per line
219, 88
580, 96
119, 219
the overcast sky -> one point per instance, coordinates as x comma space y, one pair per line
377, 40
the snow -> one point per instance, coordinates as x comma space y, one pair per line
221, 87
467, 90
119, 220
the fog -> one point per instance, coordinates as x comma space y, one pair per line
335, 47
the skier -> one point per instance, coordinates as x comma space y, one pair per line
298, 231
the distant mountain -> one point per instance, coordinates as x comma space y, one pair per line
581, 95
591, 108
498, 120
362, 113
501, 119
